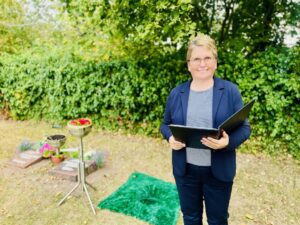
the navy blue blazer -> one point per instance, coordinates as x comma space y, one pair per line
226, 101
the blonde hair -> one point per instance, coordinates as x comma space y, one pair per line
202, 40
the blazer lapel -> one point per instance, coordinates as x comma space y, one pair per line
184, 95
217, 96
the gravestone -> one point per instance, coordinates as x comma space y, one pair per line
25, 159
68, 169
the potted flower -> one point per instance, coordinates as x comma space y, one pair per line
57, 141
57, 158
80, 127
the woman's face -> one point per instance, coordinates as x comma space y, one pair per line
202, 63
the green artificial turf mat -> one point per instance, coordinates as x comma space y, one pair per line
146, 198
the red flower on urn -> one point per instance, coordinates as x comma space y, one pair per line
81, 122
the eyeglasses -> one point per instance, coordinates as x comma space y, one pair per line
197, 61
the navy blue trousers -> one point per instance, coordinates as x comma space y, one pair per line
198, 185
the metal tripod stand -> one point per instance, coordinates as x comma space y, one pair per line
81, 179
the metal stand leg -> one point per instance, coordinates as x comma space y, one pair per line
91, 186
67, 195
88, 196
81, 179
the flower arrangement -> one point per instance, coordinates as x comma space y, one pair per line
80, 122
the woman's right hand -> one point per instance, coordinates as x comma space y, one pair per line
175, 145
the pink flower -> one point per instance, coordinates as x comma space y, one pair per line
46, 147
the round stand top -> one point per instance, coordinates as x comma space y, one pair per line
80, 127
56, 140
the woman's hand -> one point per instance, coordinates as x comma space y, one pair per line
216, 143
175, 145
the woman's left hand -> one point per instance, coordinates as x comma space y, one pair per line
216, 143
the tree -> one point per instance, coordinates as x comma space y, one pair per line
13, 32
24, 23
248, 25
129, 28
163, 26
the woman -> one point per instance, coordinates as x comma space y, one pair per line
203, 175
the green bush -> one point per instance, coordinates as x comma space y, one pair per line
273, 78
131, 95
60, 86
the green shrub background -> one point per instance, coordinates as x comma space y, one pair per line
131, 95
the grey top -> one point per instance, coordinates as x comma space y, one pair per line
199, 114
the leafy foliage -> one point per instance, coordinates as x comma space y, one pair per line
273, 78
143, 28
63, 86
12, 35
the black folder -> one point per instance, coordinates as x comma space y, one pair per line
191, 136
